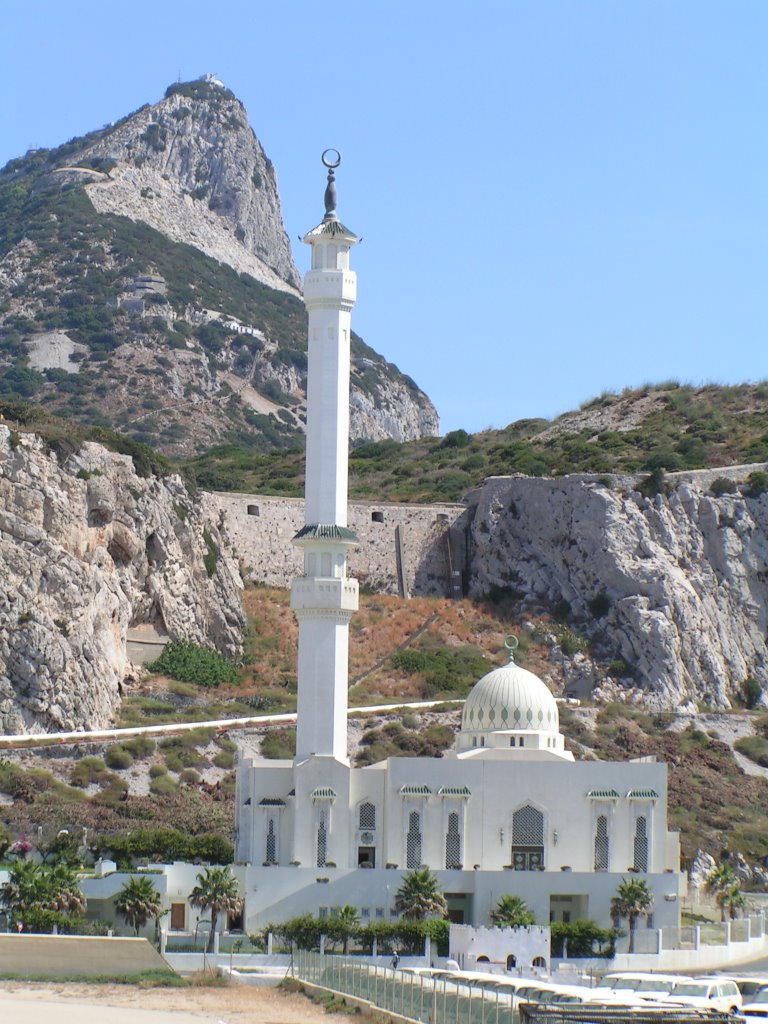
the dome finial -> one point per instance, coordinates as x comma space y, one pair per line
331, 159
511, 643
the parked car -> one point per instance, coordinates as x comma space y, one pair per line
757, 1007
748, 984
706, 993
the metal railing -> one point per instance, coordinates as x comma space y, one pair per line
415, 996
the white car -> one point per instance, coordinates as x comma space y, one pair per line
706, 993
631, 987
757, 1007
748, 984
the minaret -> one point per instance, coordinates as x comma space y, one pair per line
325, 597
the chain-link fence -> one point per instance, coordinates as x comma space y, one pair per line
416, 996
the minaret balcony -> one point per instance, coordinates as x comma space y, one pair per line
325, 287
325, 592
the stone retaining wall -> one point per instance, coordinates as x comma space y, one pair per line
259, 529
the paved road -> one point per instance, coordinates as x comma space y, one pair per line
27, 740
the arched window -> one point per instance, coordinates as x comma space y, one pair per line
453, 842
483, 959
601, 843
539, 961
322, 840
511, 961
641, 844
527, 839
367, 818
271, 845
413, 841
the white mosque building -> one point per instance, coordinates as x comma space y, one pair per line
507, 811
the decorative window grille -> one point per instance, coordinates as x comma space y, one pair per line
322, 841
601, 843
413, 841
453, 841
367, 817
641, 844
528, 839
271, 851
528, 827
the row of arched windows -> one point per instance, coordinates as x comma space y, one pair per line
603, 844
527, 839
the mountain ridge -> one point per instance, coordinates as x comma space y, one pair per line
147, 285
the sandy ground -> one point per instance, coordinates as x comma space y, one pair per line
71, 1003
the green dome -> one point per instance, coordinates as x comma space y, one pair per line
510, 698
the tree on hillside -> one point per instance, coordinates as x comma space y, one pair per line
511, 912
632, 901
723, 884
419, 896
138, 902
216, 890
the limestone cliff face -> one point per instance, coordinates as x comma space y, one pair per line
194, 170
681, 580
88, 549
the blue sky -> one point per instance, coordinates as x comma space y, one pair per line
556, 197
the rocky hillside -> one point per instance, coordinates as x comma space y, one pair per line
89, 548
659, 428
669, 589
147, 284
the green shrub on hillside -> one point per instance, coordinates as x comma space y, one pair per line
118, 757
444, 671
755, 748
190, 663
279, 744
164, 845
758, 484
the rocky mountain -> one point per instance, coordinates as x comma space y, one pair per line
88, 549
669, 590
147, 284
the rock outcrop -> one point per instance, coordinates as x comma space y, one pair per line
88, 549
196, 172
671, 591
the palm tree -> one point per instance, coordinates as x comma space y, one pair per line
419, 896
138, 902
343, 925
33, 889
720, 882
511, 912
731, 900
216, 890
633, 900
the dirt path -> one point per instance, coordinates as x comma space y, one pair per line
73, 1003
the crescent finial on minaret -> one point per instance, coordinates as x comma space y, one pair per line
331, 159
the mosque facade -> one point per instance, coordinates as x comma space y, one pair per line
508, 810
